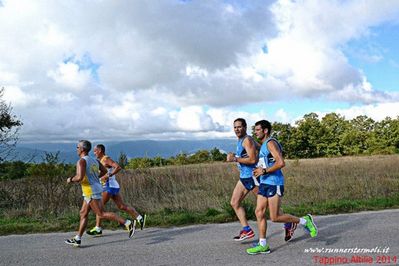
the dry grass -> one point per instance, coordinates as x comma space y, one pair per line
203, 186
208, 186
190, 187
349, 178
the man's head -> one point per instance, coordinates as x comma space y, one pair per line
99, 150
240, 127
263, 128
84, 146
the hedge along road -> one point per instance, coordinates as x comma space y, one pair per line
212, 244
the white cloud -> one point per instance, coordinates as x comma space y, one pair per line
307, 55
70, 76
377, 112
51, 35
177, 69
17, 97
8, 78
193, 118
282, 116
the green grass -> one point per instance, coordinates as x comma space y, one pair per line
169, 217
344, 206
47, 223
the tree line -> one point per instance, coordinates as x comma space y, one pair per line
310, 137
333, 135
201, 156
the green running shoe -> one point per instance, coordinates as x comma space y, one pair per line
259, 249
310, 226
94, 232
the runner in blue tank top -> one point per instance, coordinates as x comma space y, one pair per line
246, 158
271, 188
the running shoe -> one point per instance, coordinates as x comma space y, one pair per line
259, 249
142, 221
94, 232
73, 242
244, 235
131, 228
289, 230
310, 226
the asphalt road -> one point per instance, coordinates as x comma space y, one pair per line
212, 244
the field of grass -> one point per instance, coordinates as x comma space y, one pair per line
200, 193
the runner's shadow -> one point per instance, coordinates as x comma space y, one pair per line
169, 235
332, 228
104, 243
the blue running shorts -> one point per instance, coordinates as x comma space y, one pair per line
111, 190
250, 183
269, 191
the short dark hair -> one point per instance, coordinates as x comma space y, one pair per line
101, 147
264, 124
85, 145
242, 120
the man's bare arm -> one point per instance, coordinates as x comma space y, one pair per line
249, 146
80, 172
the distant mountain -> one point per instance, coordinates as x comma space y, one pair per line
140, 148
37, 155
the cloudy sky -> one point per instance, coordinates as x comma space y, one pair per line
170, 69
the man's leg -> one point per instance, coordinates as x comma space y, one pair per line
289, 229
261, 205
239, 193
105, 198
84, 211
131, 210
255, 191
262, 247
278, 216
97, 230
96, 206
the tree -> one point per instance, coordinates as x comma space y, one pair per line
9, 127
283, 132
136, 163
122, 160
181, 159
333, 127
356, 139
13, 170
159, 161
385, 137
216, 155
200, 156
306, 137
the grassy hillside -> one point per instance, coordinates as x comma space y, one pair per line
201, 193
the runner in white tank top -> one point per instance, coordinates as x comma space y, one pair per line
111, 190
